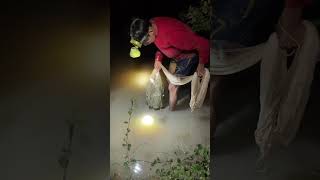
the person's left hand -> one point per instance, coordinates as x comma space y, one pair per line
200, 70
157, 65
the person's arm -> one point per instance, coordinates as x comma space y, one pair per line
158, 60
158, 56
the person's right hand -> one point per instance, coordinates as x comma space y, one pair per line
157, 65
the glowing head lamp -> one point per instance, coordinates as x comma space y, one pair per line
134, 52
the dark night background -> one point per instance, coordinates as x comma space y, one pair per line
237, 110
54, 68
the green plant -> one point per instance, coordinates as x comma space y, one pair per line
199, 16
129, 158
184, 165
64, 158
202, 19
126, 144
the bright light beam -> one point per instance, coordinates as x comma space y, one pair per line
147, 120
142, 78
137, 168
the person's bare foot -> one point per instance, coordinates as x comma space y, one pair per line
172, 106
172, 101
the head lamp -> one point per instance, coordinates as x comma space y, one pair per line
134, 51
136, 43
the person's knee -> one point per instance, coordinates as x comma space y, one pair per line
172, 88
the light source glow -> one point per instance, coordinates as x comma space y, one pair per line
147, 120
148, 124
137, 168
142, 78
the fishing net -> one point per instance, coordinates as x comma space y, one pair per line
155, 91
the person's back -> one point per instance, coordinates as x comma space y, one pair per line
168, 24
177, 40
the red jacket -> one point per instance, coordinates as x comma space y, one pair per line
175, 39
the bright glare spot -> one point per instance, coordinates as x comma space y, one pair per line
137, 168
147, 120
142, 78
151, 80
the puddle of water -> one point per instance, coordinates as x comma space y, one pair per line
171, 130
